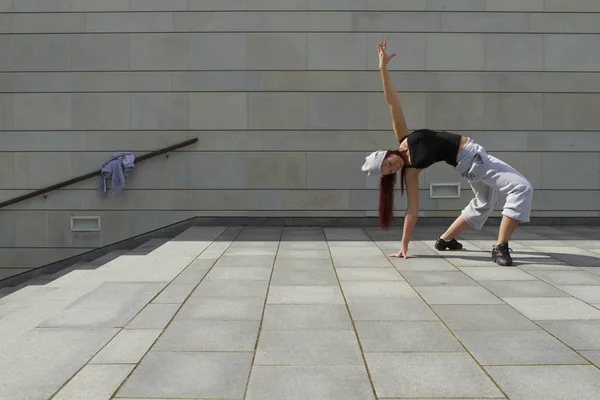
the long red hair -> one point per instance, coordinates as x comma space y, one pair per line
386, 195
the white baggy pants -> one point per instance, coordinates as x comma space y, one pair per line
488, 176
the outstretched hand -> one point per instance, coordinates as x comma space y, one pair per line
402, 253
384, 58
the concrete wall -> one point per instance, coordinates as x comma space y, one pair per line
286, 100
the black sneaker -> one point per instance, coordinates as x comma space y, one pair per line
501, 254
442, 244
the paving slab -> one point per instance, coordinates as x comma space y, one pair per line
360, 251
429, 375
237, 273
284, 264
361, 261
176, 376
390, 309
209, 335
416, 250
579, 382
368, 274
290, 238
244, 261
457, 295
572, 255
592, 270
305, 295
309, 382
313, 347
154, 316
9, 309
422, 264
345, 233
547, 266
150, 245
254, 245
406, 336
553, 308
95, 382
194, 273
593, 356
450, 278
174, 294
112, 304
532, 243
469, 258
504, 289
579, 334
497, 274
212, 253
304, 245
565, 278
224, 288
247, 236
483, 317
16, 324
325, 277
317, 254
302, 231
27, 295
128, 347
146, 268
512, 347
77, 288
250, 251
350, 244
306, 317
180, 248
225, 309
43, 360
378, 289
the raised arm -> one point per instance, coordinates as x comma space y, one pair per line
391, 96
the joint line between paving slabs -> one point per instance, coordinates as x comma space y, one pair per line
362, 353
176, 312
262, 317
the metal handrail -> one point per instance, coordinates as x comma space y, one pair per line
93, 174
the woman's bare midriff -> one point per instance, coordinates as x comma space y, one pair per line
463, 141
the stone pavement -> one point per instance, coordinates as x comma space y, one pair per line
264, 313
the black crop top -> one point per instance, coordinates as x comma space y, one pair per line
427, 147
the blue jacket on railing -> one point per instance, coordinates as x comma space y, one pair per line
116, 168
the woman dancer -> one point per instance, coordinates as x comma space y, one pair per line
421, 148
